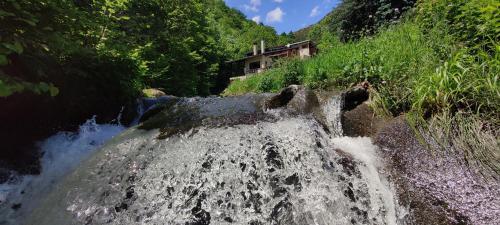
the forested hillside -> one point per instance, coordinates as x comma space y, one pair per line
236, 34
160, 43
352, 19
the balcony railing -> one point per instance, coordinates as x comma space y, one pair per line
252, 71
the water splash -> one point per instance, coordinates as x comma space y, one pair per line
381, 193
332, 111
289, 171
61, 154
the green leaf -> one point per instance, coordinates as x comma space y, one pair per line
4, 89
43, 87
4, 14
16, 47
16, 5
30, 22
3, 60
54, 91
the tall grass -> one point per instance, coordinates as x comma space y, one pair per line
440, 66
408, 69
391, 61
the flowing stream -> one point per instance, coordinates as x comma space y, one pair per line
235, 164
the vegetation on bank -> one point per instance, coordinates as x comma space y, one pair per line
440, 61
432, 60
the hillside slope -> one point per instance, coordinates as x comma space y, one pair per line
236, 34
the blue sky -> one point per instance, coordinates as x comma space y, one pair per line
284, 15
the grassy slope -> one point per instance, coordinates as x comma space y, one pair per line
387, 60
431, 70
405, 66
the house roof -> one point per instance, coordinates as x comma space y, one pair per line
272, 50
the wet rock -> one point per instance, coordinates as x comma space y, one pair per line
202, 217
350, 193
153, 93
438, 185
296, 99
282, 213
361, 121
348, 165
283, 98
4, 175
273, 157
183, 115
168, 102
16, 206
295, 181
305, 101
358, 118
355, 97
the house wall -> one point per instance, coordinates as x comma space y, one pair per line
265, 62
304, 52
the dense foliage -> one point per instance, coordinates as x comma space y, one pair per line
177, 45
444, 57
353, 19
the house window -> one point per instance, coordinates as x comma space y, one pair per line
255, 65
304, 46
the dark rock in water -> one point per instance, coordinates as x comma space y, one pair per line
349, 193
296, 99
361, 122
4, 175
282, 213
16, 206
168, 102
282, 99
355, 97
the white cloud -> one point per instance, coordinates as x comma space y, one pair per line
256, 19
253, 5
275, 15
314, 12
278, 1
255, 2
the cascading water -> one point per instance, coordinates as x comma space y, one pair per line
61, 153
226, 161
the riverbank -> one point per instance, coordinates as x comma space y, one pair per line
437, 179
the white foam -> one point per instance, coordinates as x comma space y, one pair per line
332, 111
62, 152
381, 196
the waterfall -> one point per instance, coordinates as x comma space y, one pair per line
238, 165
61, 154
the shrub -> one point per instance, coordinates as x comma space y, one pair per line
473, 22
292, 72
266, 84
